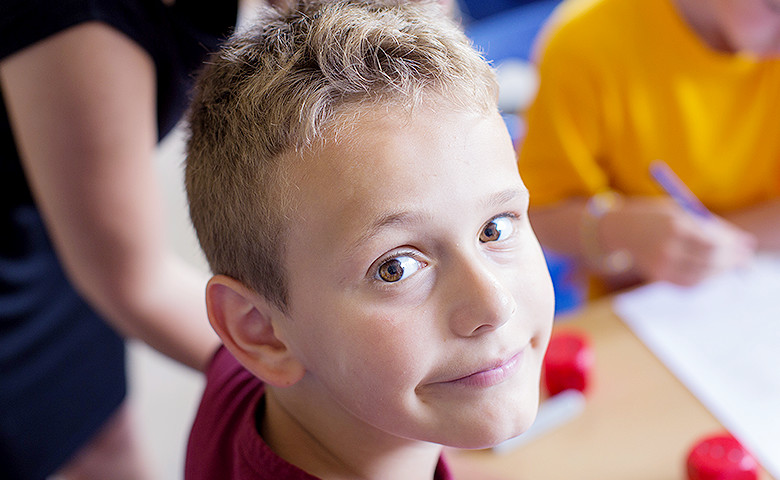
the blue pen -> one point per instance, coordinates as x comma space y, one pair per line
676, 189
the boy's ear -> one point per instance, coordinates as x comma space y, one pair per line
243, 320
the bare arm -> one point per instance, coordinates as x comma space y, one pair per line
664, 242
82, 105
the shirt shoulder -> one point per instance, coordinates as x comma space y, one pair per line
224, 440
229, 400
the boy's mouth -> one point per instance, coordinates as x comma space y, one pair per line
492, 374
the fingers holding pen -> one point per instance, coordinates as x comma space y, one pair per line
666, 243
717, 244
732, 246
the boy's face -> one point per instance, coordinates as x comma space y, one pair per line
419, 300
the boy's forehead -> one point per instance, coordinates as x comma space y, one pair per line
393, 162
364, 140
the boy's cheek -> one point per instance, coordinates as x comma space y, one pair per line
535, 289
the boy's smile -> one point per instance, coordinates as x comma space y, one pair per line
419, 300
491, 374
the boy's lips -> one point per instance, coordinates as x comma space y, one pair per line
491, 374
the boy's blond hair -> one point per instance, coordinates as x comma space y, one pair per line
293, 80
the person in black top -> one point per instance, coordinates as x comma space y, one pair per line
88, 89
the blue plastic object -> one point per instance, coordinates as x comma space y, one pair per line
479, 9
569, 292
510, 33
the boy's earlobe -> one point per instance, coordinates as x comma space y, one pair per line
243, 320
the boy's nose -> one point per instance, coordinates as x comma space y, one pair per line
480, 302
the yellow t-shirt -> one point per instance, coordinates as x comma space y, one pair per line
625, 82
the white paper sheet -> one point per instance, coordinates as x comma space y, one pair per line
722, 340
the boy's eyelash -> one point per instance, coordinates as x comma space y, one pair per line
511, 215
410, 254
373, 272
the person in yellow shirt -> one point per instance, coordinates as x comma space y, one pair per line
694, 83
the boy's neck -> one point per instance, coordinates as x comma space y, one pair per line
322, 446
709, 24
704, 25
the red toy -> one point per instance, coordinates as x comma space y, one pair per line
567, 363
721, 457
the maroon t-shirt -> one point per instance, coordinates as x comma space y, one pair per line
224, 442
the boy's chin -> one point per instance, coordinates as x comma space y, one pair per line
488, 435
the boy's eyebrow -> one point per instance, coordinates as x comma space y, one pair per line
506, 196
382, 221
395, 218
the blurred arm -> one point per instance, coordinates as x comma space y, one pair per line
83, 108
664, 242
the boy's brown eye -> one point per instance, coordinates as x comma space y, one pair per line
496, 229
391, 271
398, 268
490, 233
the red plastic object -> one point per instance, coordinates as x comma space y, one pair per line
721, 457
567, 363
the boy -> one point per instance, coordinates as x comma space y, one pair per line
355, 191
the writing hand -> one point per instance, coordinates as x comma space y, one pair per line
668, 244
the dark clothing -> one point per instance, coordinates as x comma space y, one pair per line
62, 371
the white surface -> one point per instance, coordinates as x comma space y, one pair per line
722, 340
165, 396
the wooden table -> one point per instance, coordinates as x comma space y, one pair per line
639, 422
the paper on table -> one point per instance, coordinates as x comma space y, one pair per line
722, 340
